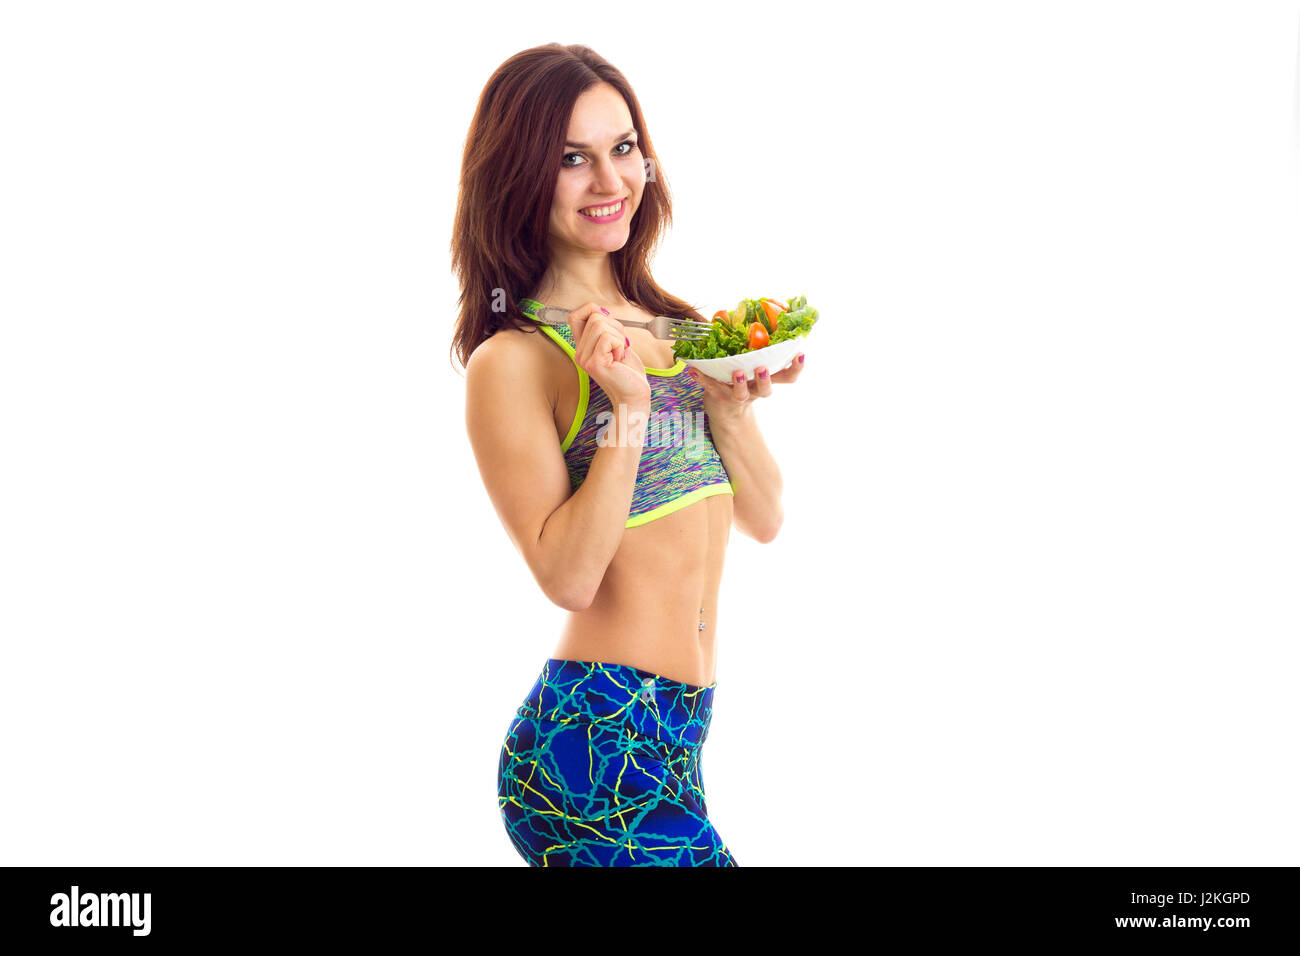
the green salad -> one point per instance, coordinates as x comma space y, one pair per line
753, 324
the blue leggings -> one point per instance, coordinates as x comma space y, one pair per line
601, 767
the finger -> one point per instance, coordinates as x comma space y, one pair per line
586, 325
610, 337
600, 350
582, 348
790, 373
579, 348
762, 382
598, 344
581, 322
619, 342
739, 388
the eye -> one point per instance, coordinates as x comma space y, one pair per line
629, 143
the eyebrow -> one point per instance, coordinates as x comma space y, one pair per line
631, 132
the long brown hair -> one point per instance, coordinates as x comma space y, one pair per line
512, 158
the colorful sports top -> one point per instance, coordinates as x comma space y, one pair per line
679, 463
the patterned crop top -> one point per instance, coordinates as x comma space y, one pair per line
679, 463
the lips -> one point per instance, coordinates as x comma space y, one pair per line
620, 203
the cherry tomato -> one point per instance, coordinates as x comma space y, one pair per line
758, 337
722, 315
772, 312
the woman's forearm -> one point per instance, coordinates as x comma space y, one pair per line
755, 477
581, 537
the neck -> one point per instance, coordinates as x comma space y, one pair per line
575, 277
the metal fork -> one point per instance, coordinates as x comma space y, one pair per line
661, 326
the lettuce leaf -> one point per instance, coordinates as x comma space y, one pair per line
732, 337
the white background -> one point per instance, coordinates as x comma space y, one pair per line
1035, 598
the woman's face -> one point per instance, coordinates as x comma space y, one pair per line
601, 167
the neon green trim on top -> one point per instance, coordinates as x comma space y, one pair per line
584, 386
687, 499
532, 305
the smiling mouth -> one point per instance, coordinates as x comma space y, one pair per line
609, 210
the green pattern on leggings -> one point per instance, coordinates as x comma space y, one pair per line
601, 767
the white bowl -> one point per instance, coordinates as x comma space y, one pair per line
774, 358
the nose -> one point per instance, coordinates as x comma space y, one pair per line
608, 179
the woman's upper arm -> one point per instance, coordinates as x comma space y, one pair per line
511, 426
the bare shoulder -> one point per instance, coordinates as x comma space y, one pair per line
513, 362
508, 349
512, 343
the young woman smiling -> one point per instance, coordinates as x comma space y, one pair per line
601, 762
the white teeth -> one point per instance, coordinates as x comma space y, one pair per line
602, 210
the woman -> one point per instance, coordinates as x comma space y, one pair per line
561, 204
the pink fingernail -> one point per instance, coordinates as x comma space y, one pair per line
800, 359
605, 310
763, 373
626, 342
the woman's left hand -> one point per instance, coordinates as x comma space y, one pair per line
723, 402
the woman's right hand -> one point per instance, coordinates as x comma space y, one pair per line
603, 351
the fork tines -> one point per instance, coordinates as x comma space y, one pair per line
689, 329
